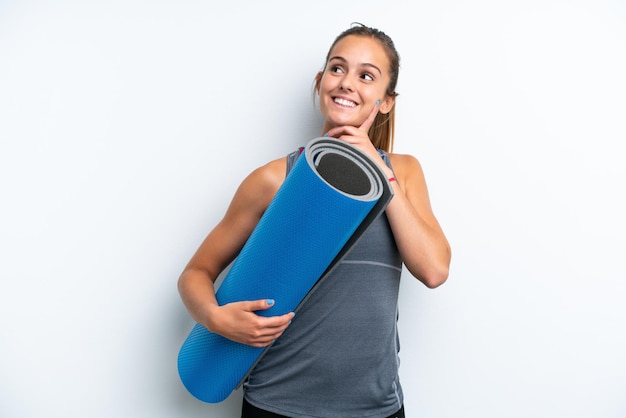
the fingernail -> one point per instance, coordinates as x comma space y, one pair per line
326, 135
270, 301
377, 103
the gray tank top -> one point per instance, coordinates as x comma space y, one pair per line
339, 357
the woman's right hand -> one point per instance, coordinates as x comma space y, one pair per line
239, 321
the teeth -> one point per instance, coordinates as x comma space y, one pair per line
344, 102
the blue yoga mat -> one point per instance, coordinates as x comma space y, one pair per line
332, 194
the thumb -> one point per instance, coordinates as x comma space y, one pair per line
263, 304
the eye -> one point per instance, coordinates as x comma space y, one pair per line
335, 69
367, 76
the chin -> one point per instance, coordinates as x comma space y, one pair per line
344, 121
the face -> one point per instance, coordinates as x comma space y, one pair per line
355, 77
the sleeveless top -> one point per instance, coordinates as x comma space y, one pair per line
339, 357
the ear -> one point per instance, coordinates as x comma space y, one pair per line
387, 104
318, 80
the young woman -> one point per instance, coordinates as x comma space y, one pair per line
339, 356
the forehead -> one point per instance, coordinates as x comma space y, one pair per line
361, 50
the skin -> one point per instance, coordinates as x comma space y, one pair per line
351, 92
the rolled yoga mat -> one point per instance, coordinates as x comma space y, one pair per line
325, 204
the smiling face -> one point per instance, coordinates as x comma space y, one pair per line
354, 78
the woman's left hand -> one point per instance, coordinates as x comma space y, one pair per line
358, 137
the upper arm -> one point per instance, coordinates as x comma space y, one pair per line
224, 242
413, 183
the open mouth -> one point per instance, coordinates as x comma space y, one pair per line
344, 102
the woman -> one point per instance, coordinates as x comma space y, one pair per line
339, 357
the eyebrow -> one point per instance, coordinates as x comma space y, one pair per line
366, 64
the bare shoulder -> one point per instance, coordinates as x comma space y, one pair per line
269, 175
251, 199
407, 168
260, 186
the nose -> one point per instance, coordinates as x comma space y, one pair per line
347, 83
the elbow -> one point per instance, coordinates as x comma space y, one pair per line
433, 275
439, 271
183, 282
179, 282
436, 278
180, 285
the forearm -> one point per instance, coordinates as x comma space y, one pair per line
197, 292
236, 321
422, 245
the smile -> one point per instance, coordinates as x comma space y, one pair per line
344, 102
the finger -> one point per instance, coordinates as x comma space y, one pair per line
273, 328
341, 131
264, 342
271, 323
279, 322
370, 119
260, 305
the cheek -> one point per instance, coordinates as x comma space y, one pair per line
322, 86
322, 90
328, 83
323, 107
376, 93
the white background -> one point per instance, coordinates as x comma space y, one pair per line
126, 126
